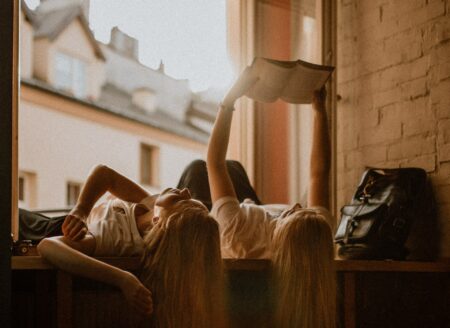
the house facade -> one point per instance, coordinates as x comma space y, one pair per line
83, 103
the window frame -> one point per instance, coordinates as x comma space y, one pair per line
69, 185
244, 29
154, 157
9, 15
79, 90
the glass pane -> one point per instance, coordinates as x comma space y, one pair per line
63, 72
79, 78
90, 99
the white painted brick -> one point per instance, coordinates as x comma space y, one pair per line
443, 109
372, 156
418, 117
426, 162
392, 113
443, 30
414, 88
388, 97
444, 131
353, 159
401, 7
444, 71
390, 77
442, 177
444, 153
412, 147
440, 93
385, 132
443, 52
435, 9
420, 67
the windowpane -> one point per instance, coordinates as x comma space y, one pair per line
149, 165
63, 72
21, 189
73, 192
27, 189
70, 74
79, 78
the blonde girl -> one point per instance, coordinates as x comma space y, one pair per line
181, 281
298, 240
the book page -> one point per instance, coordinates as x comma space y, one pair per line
307, 78
272, 79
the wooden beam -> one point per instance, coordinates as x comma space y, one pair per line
64, 299
349, 300
8, 170
132, 263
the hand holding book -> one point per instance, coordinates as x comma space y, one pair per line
245, 81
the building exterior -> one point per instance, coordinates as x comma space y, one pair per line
83, 103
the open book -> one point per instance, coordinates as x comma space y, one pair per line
292, 81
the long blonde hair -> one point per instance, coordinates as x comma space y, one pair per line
182, 266
304, 276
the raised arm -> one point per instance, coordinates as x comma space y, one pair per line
219, 180
100, 180
318, 193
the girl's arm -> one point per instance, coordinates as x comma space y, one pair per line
318, 193
101, 179
219, 180
64, 254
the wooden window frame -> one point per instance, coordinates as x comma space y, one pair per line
243, 141
72, 184
154, 180
9, 20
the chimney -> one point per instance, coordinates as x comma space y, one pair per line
161, 67
123, 43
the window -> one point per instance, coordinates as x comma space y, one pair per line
70, 74
73, 191
149, 165
21, 189
27, 190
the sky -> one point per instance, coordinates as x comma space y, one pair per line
189, 36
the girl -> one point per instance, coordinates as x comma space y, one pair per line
182, 275
297, 239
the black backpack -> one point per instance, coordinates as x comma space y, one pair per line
391, 216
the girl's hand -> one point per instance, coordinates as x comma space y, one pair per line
136, 294
74, 225
245, 81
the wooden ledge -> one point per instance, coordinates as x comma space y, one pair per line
392, 266
132, 263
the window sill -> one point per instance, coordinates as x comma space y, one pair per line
132, 263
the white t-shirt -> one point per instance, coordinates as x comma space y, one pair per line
246, 229
113, 225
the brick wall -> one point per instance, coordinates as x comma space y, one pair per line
394, 80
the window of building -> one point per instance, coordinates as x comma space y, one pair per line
149, 165
73, 192
21, 189
70, 74
27, 190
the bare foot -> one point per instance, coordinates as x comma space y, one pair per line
137, 295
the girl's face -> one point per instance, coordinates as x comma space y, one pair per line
171, 196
